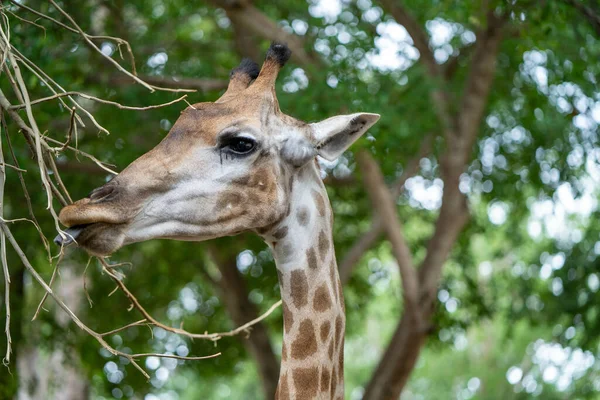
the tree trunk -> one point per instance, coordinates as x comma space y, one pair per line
47, 375
389, 378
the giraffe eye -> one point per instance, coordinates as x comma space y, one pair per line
240, 145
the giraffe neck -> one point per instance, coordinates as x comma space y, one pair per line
312, 356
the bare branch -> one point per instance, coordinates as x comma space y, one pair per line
99, 163
99, 100
27, 21
203, 85
99, 337
72, 126
12, 167
5, 271
136, 323
59, 301
52, 84
175, 356
45, 296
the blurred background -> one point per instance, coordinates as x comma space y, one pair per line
488, 139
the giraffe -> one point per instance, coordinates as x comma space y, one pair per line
240, 164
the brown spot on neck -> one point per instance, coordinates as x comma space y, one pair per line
339, 330
334, 379
311, 258
324, 245
325, 329
305, 382
322, 299
288, 318
283, 391
283, 352
303, 216
325, 384
281, 233
299, 288
319, 201
305, 344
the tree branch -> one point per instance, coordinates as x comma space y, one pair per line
400, 357
256, 21
479, 81
587, 12
203, 85
417, 33
451, 66
244, 40
454, 213
383, 202
368, 240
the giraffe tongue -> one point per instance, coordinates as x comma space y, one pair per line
72, 234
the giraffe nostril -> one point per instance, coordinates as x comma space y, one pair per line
103, 193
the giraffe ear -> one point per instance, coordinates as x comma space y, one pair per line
334, 135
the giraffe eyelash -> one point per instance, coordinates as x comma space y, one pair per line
236, 146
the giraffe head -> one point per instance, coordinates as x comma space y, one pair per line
224, 168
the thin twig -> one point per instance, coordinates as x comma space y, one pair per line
87, 155
99, 100
87, 294
137, 323
110, 59
27, 21
54, 273
72, 125
58, 179
176, 357
12, 167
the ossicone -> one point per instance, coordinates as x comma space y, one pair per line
279, 52
248, 68
277, 55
